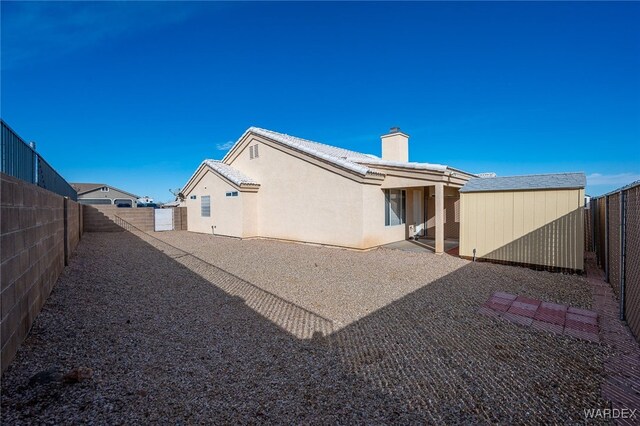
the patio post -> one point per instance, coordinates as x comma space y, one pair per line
439, 213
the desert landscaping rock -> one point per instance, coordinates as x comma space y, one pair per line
195, 328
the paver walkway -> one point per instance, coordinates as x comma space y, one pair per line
546, 316
621, 385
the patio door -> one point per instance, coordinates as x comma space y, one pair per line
417, 212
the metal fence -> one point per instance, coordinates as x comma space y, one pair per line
613, 220
20, 160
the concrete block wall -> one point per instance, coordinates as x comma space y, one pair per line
32, 255
99, 218
180, 218
103, 218
74, 225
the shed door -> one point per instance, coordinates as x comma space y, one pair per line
163, 219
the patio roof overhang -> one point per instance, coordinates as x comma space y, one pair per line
406, 177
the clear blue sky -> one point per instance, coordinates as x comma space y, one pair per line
138, 94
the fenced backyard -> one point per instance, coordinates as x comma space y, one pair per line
175, 327
613, 233
145, 326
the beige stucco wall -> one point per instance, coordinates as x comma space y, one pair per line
249, 214
529, 227
395, 147
305, 199
226, 212
300, 201
375, 233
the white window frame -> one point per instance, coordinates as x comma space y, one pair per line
104, 189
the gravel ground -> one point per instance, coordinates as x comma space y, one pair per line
263, 331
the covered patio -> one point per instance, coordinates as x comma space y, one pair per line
430, 206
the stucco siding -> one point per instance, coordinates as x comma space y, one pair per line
226, 213
301, 201
542, 227
249, 214
375, 231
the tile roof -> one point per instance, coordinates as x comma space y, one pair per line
338, 156
230, 173
358, 162
526, 182
409, 165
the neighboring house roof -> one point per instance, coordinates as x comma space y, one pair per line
526, 182
83, 188
230, 173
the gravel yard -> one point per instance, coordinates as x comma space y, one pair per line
197, 328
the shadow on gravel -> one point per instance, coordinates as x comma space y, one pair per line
171, 338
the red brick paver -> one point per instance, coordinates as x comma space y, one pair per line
622, 382
544, 316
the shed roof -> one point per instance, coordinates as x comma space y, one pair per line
526, 182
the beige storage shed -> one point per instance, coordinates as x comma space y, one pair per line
534, 220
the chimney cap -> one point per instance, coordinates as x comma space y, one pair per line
395, 131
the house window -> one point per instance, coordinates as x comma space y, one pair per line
394, 207
104, 189
232, 193
253, 152
193, 197
205, 206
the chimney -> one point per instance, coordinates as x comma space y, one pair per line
395, 146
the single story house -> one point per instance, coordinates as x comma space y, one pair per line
103, 194
272, 185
